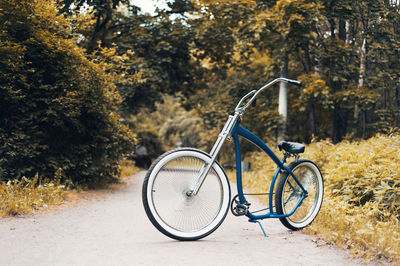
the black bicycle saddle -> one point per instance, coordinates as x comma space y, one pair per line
291, 147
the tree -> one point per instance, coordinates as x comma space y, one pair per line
104, 13
58, 109
223, 49
163, 46
345, 53
283, 28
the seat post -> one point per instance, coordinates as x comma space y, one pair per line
285, 156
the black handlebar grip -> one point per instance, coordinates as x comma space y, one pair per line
295, 82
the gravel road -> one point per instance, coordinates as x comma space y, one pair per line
114, 230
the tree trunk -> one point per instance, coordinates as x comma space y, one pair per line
334, 111
384, 98
311, 115
282, 107
342, 29
348, 33
93, 38
332, 27
361, 79
363, 61
364, 123
311, 105
343, 123
334, 126
307, 59
101, 27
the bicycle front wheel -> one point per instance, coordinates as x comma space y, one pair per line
288, 194
167, 203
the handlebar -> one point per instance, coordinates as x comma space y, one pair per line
256, 92
294, 82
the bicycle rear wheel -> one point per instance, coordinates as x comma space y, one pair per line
167, 204
288, 193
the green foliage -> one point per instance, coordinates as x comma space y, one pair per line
163, 48
159, 48
57, 108
169, 124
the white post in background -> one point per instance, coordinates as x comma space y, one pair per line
282, 110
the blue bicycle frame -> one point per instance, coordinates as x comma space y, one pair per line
237, 131
233, 128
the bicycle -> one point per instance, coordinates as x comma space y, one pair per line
186, 193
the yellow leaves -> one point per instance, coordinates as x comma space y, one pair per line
115, 66
362, 193
358, 229
313, 88
262, 60
313, 85
25, 196
295, 18
43, 25
290, 11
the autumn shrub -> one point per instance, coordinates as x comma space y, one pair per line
361, 208
58, 109
362, 172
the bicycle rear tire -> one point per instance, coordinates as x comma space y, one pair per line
288, 193
167, 204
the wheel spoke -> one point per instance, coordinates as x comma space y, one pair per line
289, 198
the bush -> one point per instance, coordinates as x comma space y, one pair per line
361, 208
58, 109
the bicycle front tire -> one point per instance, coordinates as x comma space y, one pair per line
167, 204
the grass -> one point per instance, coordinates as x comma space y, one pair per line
26, 196
29, 195
361, 208
128, 168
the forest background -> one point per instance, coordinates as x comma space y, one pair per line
84, 81
173, 76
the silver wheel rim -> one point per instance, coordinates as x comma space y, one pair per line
178, 213
311, 179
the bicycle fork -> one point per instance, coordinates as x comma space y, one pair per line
214, 153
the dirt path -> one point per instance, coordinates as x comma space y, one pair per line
114, 230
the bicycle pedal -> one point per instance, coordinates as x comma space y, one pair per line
240, 210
